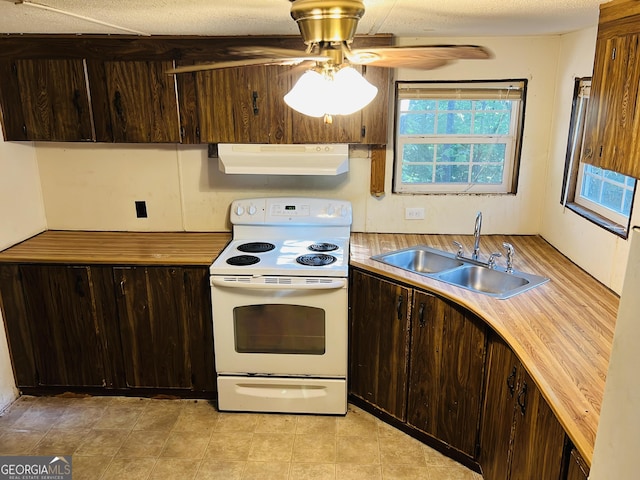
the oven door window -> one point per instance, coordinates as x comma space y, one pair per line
279, 328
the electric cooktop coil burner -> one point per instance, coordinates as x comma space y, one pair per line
243, 260
323, 247
315, 259
256, 247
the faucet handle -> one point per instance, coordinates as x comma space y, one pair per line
492, 259
460, 252
510, 253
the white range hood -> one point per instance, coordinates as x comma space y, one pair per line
267, 159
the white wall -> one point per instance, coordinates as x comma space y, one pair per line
21, 216
602, 254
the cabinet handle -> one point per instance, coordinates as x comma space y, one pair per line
117, 104
511, 382
421, 319
122, 287
399, 307
79, 289
255, 103
76, 102
522, 399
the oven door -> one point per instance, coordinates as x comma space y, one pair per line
286, 326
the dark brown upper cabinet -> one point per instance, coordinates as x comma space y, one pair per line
612, 138
134, 101
52, 87
244, 105
45, 99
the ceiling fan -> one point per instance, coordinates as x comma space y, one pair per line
328, 28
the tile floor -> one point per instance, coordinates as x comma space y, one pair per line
138, 438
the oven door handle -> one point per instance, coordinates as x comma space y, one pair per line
332, 285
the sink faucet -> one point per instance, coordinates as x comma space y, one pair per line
476, 236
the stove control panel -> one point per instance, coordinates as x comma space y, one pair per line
291, 210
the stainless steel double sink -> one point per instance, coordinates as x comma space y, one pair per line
461, 272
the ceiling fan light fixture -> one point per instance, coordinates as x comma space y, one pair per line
330, 93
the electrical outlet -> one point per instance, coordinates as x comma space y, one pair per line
141, 209
414, 213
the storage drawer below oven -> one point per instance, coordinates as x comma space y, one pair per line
285, 395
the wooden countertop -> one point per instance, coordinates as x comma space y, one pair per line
148, 248
562, 330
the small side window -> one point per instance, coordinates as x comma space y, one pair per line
602, 196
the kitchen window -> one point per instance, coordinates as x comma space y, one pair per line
458, 137
602, 196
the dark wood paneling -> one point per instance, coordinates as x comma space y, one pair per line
379, 342
539, 439
502, 372
45, 100
64, 328
375, 116
446, 372
140, 103
577, 467
200, 327
153, 326
17, 327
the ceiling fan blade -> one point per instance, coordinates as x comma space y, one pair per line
272, 52
246, 62
423, 57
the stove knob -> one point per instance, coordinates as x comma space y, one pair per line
343, 211
331, 211
239, 210
252, 210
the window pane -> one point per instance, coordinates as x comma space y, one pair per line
456, 152
487, 174
454, 123
612, 196
591, 187
418, 105
417, 173
417, 152
452, 174
493, 123
454, 104
415, 124
489, 152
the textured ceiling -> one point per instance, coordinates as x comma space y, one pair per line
404, 18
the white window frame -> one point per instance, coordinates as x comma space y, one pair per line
511, 89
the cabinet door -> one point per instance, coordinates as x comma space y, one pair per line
379, 346
375, 116
154, 309
612, 140
503, 370
577, 468
446, 372
134, 101
65, 329
539, 438
17, 326
244, 105
45, 100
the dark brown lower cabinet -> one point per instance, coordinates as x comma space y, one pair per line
53, 318
112, 327
520, 436
379, 342
160, 320
577, 469
446, 371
